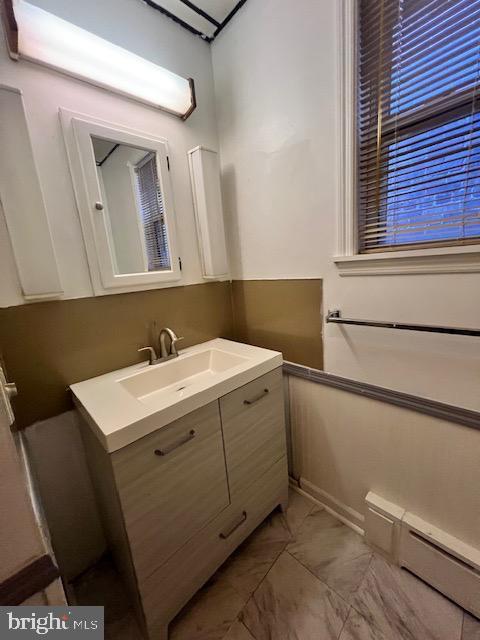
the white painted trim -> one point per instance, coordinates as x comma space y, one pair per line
200, 147
23, 203
321, 498
346, 61
455, 259
209, 216
436, 260
77, 129
141, 230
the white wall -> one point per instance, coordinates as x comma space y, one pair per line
121, 206
275, 82
345, 445
137, 27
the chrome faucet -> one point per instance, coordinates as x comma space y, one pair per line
164, 353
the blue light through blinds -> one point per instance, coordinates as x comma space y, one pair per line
418, 122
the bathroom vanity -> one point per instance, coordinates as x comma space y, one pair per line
187, 458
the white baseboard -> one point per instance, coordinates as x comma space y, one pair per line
321, 498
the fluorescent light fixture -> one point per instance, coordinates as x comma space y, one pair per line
56, 43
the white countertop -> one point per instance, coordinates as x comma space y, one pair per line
118, 418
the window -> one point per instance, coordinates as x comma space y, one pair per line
150, 204
418, 123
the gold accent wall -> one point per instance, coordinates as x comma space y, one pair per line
47, 346
285, 315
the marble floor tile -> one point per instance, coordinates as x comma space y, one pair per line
396, 605
332, 551
291, 604
102, 586
248, 565
358, 628
209, 614
239, 632
298, 509
471, 628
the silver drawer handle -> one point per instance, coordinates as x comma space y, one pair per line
226, 535
257, 398
163, 452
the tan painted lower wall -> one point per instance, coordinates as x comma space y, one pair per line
49, 345
346, 445
285, 315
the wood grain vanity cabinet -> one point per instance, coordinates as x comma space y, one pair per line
178, 501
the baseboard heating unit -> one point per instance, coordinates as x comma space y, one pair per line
441, 560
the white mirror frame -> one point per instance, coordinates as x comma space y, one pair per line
78, 130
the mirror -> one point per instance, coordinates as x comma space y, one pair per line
133, 207
123, 189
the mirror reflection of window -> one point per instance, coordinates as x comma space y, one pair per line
133, 207
150, 204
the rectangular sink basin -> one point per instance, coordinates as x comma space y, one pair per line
179, 374
123, 406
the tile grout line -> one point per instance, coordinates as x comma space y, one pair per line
258, 586
285, 522
284, 550
345, 623
325, 584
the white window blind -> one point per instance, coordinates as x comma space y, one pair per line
153, 215
418, 112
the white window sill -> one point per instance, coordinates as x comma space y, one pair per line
417, 261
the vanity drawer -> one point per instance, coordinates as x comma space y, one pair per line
170, 484
253, 422
171, 586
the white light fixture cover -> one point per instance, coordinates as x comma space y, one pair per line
49, 40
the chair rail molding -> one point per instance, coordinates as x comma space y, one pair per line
441, 410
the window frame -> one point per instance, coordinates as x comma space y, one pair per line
78, 129
434, 258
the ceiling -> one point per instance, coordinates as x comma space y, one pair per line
205, 18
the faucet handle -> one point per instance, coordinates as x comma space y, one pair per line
151, 352
173, 348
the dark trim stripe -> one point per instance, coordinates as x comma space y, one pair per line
179, 21
200, 12
220, 25
101, 162
238, 6
443, 411
28, 581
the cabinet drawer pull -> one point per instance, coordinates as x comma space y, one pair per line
256, 398
175, 445
226, 535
